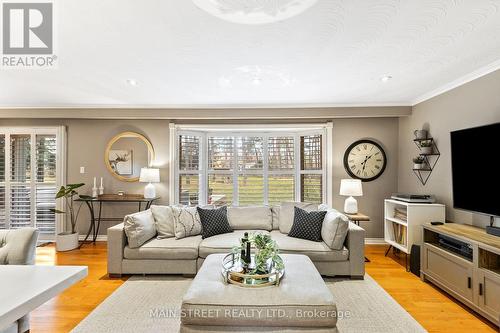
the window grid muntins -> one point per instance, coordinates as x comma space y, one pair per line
189, 153
311, 147
247, 169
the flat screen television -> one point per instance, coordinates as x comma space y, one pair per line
475, 156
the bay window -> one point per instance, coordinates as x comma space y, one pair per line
245, 167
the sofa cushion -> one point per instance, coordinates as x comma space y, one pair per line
223, 243
287, 213
164, 221
317, 251
167, 248
214, 222
139, 228
186, 222
335, 228
251, 217
275, 213
307, 225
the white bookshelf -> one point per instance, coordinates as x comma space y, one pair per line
409, 230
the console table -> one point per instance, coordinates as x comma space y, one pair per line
473, 279
95, 219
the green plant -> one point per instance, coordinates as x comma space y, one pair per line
426, 144
266, 249
68, 193
419, 160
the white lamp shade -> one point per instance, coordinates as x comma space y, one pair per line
149, 175
351, 187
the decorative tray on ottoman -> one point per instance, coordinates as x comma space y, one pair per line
234, 272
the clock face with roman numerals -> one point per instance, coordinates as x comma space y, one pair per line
365, 160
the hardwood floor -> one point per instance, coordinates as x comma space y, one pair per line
432, 308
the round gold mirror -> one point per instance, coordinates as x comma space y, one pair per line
126, 154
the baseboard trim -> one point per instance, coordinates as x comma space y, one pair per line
375, 241
100, 238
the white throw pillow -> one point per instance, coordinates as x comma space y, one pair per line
164, 219
335, 228
139, 228
287, 212
186, 222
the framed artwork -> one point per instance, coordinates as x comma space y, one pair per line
121, 162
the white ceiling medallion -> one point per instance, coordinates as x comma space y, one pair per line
254, 11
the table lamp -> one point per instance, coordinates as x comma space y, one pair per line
149, 175
351, 188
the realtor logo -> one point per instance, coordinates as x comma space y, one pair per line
27, 34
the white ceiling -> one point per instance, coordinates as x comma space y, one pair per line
334, 53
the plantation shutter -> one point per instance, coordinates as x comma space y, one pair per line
20, 181
189, 169
3, 213
311, 168
29, 179
46, 148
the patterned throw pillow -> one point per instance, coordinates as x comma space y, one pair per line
186, 222
307, 225
214, 222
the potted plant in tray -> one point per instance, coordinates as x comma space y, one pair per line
426, 147
68, 240
419, 163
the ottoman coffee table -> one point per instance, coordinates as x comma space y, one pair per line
300, 303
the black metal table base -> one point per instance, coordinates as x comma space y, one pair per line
95, 223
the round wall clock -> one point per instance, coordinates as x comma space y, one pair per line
365, 159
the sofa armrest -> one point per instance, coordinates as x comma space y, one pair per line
355, 242
116, 243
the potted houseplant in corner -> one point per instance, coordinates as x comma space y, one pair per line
68, 240
419, 163
426, 147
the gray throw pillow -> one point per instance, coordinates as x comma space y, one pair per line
335, 228
186, 222
307, 225
139, 228
164, 221
214, 222
287, 212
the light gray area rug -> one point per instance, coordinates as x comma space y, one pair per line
152, 304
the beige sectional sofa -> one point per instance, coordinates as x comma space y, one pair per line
186, 255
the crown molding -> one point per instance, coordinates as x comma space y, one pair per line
207, 114
490, 68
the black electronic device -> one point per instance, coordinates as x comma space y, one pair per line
456, 246
437, 223
415, 259
475, 185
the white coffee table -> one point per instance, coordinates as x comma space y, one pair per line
23, 288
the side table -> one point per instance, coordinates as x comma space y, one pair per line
356, 218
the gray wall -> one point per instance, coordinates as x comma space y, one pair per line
86, 143
385, 132
87, 140
473, 104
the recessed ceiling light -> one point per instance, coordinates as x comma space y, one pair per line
132, 82
255, 11
385, 78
